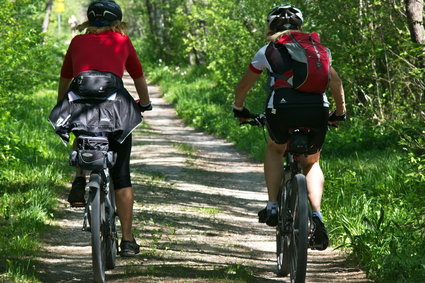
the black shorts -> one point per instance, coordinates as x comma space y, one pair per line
120, 173
313, 117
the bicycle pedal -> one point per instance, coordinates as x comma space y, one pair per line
86, 229
78, 204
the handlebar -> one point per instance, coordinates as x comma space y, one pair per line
333, 119
258, 120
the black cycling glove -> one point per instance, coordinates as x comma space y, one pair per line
244, 113
334, 117
147, 107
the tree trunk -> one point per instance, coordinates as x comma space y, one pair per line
151, 16
46, 20
414, 9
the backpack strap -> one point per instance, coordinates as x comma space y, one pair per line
279, 76
282, 77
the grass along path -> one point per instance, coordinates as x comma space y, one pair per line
195, 216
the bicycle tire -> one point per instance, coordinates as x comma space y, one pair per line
97, 220
111, 232
298, 245
282, 246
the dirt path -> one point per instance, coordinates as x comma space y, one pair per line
195, 216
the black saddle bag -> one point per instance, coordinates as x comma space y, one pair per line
92, 154
96, 84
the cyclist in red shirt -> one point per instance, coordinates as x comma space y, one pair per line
295, 109
106, 48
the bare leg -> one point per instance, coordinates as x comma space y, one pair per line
124, 199
315, 179
273, 167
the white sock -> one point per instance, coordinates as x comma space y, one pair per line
271, 205
318, 214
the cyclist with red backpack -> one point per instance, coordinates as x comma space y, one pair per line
300, 71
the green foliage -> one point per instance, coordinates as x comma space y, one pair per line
20, 45
158, 23
373, 53
232, 36
31, 156
31, 171
413, 143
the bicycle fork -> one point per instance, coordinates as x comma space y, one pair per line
86, 228
94, 186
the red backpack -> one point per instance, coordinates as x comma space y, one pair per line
310, 63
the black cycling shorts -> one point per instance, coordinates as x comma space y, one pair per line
313, 117
120, 173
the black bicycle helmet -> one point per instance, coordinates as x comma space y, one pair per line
284, 17
103, 13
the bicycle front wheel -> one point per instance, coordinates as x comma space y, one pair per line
298, 245
282, 235
97, 226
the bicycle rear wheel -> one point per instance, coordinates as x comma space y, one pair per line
282, 239
97, 226
111, 232
298, 245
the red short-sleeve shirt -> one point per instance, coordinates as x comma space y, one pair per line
108, 51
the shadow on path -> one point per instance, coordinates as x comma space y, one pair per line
195, 216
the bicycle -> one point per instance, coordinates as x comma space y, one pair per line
93, 155
295, 224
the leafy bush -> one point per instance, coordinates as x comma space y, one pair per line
31, 171
31, 157
24, 57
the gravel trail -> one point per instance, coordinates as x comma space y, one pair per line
195, 215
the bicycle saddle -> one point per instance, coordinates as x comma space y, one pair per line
298, 141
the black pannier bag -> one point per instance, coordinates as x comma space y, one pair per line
92, 154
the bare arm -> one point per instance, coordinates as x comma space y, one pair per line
63, 87
337, 91
142, 90
245, 84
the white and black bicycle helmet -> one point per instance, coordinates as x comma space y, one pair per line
284, 17
103, 13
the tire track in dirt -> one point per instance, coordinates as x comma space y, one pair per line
195, 215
